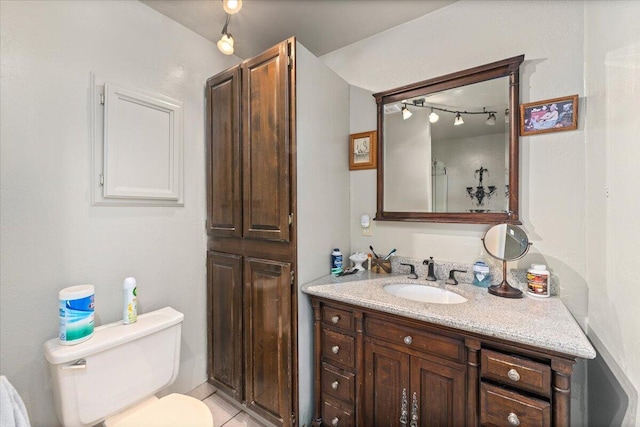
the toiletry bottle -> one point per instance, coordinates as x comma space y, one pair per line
538, 281
481, 271
130, 312
336, 261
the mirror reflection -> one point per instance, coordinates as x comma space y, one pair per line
506, 242
450, 148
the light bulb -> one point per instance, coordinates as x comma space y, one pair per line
225, 44
232, 6
406, 113
433, 117
458, 121
491, 120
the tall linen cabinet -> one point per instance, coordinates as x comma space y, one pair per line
277, 130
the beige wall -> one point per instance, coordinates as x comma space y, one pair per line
612, 71
51, 235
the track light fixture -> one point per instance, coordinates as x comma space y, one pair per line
232, 6
405, 112
433, 116
225, 44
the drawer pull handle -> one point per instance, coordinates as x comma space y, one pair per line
335, 349
335, 319
513, 419
408, 340
334, 421
513, 375
334, 385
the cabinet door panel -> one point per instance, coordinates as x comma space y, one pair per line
224, 200
267, 293
266, 145
225, 321
441, 392
386, 374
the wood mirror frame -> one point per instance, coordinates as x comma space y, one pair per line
506, 68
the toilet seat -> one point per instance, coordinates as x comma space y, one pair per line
170, 411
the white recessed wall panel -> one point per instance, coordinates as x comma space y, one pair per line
141, 148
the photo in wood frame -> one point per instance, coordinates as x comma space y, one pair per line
363, 150
551, 115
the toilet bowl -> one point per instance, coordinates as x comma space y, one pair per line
114, 376
170, 411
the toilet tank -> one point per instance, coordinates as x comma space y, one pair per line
118, 367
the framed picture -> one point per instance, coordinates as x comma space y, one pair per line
549, 116
363, 150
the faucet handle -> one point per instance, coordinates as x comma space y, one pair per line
412, 270
452, 279
428, 261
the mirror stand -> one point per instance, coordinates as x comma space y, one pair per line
506, 242
504, 289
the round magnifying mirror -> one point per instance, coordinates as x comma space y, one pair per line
506, 242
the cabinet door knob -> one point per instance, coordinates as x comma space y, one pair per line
513, 419
335, 319
335, 349
334, 421
408, 340
334, 385
513, 375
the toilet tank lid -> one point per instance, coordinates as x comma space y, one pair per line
111, 335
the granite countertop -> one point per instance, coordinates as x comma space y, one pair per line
541, 322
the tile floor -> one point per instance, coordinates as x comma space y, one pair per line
225, 414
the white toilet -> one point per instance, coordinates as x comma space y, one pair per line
113, 376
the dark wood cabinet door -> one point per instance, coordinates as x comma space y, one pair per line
386, 374
266, 145
268, 339
225, 322
224, 198
440, 390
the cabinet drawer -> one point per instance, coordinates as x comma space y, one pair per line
338, 318
338, 347
516, 371
338, 383
500, 407
441, 346
336, 414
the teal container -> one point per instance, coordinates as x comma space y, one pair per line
481, 274
77, 314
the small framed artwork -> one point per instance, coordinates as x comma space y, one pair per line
551, 115
363, 150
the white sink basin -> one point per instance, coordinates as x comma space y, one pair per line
423, 293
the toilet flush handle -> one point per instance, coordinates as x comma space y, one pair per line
78, 364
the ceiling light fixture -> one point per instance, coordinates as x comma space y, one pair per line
405, 112
225, 44
433, 117
232, 6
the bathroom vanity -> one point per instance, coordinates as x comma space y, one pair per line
381, 359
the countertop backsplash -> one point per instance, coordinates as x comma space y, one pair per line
516, 277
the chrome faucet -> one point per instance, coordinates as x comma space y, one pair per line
431, 276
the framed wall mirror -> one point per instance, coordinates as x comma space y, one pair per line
448, 147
